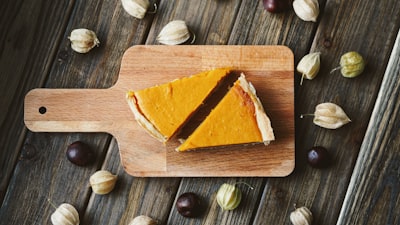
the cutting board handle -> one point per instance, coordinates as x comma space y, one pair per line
94, 110
75, 110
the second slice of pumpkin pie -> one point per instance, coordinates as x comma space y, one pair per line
239, 118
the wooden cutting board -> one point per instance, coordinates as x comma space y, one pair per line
269, 68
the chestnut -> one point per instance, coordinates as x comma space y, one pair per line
277, 6
80, 153
318, 157
189, 205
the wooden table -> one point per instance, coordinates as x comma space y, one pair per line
361, 187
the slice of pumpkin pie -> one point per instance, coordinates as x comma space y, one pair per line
239, 118
163, 109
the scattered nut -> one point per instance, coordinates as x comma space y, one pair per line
65, 214
80, 153
174, 33
307, 10
143, 220
318, 157
189, 205
309, 66
102, 182
277, 6
329, 115
83, 40
301, 216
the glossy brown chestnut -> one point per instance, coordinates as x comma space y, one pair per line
277, 6
80, 153
189, 205
318, 157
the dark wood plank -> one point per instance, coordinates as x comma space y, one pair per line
206, 189
373, 194
46, 177
323, 191
131, 197
27, 49
210, 21
49, 174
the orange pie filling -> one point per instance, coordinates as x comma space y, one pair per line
239, 118
163, 109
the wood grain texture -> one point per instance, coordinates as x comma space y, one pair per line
39, 178
28, 60
132, 196
323, 190
269, 68
51, 175
27, 44
210, 21
373, 195
212, 212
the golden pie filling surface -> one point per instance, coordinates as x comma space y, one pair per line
239, 118
164, 108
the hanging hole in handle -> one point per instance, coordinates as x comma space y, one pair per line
42, 110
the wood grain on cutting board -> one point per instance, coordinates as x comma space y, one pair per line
269, 68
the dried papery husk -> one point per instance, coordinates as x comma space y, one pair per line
102, 182
83, 40
174, 33
301, 216
65, 214
143, 220
307, 10
229, 196
329, 115
309, 66
136, 8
